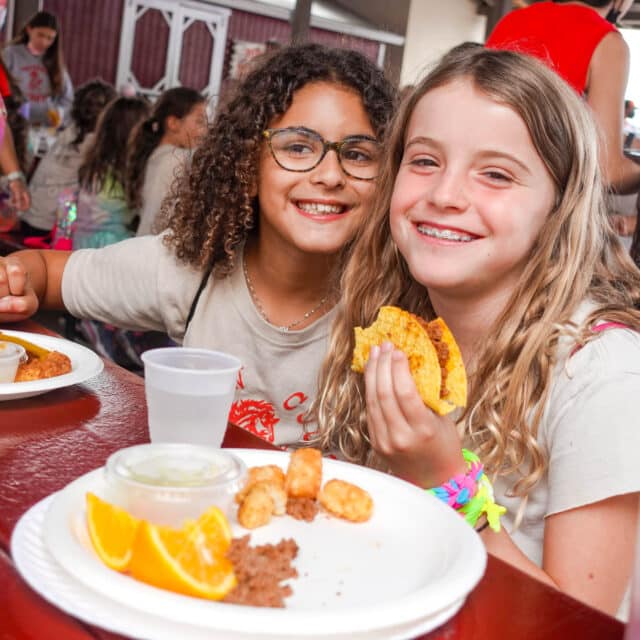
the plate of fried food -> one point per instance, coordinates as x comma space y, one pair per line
48, 363
356, 553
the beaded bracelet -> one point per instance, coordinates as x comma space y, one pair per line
471, 494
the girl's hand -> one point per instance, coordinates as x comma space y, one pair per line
20, 197
18, 300
417, 444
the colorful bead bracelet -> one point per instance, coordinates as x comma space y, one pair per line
471, 493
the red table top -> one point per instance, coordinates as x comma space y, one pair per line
49, 440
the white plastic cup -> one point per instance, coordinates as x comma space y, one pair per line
11, 355
189, 394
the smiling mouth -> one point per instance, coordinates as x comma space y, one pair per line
321, 208
444, 234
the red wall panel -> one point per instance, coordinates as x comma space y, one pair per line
90, 36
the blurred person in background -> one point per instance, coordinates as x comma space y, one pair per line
580, 42
57, 172
159, 148
35, 60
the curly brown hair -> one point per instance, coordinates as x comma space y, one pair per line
213, 206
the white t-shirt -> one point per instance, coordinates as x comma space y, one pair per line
163, 166
138, 284
590, 431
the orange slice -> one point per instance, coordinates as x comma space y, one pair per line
112, 531
180, 561
212, 530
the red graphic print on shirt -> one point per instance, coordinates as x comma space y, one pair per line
256, 416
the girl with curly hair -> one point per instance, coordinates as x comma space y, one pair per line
159, 147
490, 214
257, 234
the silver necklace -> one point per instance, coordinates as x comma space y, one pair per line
261, 311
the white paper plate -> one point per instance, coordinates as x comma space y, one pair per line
410, 567
84, 365
47, 577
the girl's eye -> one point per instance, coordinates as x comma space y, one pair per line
497, 176
357, 155
423, 162
297, 149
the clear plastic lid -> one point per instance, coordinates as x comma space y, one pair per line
167, 483
180, 466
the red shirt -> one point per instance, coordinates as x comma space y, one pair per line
562, 35
5, 90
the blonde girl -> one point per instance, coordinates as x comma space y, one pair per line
490, 213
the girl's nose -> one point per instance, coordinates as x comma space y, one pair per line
329, 172
448, 191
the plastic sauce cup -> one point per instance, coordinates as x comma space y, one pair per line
11, 355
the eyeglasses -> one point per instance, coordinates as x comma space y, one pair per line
301, 149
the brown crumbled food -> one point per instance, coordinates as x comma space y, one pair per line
302, 508
260, 570
442, 349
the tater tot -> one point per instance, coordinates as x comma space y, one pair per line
257, 507
346, 500
268, 473
304, 474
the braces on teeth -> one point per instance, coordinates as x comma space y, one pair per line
444, 234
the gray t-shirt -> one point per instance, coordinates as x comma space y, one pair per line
33, 79
162, 167
56, 175
138, 284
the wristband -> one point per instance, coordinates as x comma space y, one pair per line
471, 494
16, 175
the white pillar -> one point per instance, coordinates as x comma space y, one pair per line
433, 27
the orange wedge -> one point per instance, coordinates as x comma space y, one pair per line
212, 530
112, 531
180, 561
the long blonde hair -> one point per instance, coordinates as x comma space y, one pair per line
576, 257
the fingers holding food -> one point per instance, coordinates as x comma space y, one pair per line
346, 500
435, 361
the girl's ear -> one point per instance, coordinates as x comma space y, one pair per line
172, 124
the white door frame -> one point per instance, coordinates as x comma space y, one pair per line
179, 17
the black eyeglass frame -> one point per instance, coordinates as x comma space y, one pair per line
326, 146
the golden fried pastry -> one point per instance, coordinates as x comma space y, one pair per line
53, 364
268, 473
304, 474
434, 358
346, 500
257, 507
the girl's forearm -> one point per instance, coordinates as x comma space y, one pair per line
44, 269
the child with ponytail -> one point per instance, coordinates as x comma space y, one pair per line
159, 148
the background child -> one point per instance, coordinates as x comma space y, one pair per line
253, 251
103, 214
490, 214
58, 170
159, 147
34, 58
